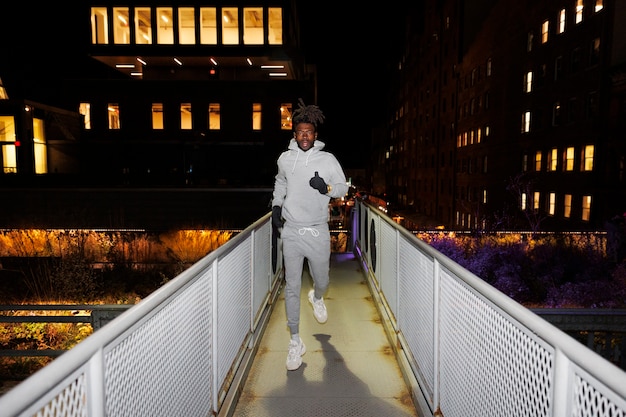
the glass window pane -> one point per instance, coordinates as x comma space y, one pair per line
214, 116
185, 116
99, 26
157, 115
121, 26
114, 115
256, 116
275, 25
143, 25
285, 116
39, 147
85, 110
165, 29
208, 28
186, 26
253, 25
230, 26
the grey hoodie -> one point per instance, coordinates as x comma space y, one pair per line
303, 205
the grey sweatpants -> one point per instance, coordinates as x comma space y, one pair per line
300, 243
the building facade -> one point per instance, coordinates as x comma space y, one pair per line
199, 94
510, 115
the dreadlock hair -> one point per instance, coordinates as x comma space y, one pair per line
307, 114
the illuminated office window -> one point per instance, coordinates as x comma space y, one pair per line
536, 200
40, 148
7, 138
214, 116
185, 116
579, 11
569, 159
256, 116
587, 158
586, 207
545, 31
561, 21
479, 134
157, 116
121, 26
208, 26
275, 25
528, 82
186, 26
523, 202
230, 26
114, 116
484, 196
567, 206
85, 110
99, 26
285, 116
552, 204
253, 25
143, 25
538, 161
165, 26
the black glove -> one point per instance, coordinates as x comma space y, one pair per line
318, 183
277, 217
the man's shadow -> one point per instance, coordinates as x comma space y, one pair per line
339, 392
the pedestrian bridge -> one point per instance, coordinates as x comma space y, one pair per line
410, 333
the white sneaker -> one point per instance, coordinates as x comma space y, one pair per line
319, 308
294, 357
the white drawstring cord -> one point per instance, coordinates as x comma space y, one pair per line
313, 231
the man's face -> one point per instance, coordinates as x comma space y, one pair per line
305, 135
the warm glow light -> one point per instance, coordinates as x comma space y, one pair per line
272, 66
178, 61
278, 74
249, 61
142, 61
213, 61
124, 65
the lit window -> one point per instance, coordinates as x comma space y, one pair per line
113, 110
579, 11
157, 116
536, 200
528, 82
552, 159
256, 116
538, 161
587, 158
523, 202
489, 67
143, 25
569, 159
253, 25
230, 26
99, 26
525, 162
552, 204
599, 5
275, 26
185, 116
285, 116
545, 27
208, 26
165, 26
186, 26
214, 116
586, 207
484, 196
526, 122
479, 133
121, 26
7, 138
40, 148
562, 21
567, 206
85, 110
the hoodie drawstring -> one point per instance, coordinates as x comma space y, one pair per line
313, 231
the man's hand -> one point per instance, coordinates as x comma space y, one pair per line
277, 217
318, 183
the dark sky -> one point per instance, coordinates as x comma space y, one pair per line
350, 46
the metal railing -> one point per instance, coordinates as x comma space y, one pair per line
183, 350
465, 348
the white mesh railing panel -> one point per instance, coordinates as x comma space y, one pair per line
262, 266
487, 363
71, 402
416, 312
233, 317
589, 401
388, 275
157, 367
